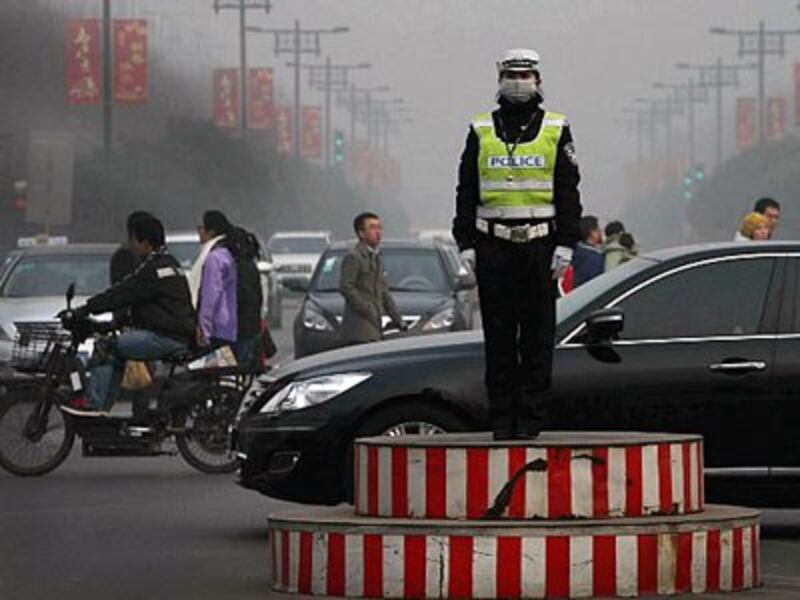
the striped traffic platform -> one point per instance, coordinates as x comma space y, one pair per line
559, 475
332, 552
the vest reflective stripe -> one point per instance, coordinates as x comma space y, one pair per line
527, 184
532, 170
541, 211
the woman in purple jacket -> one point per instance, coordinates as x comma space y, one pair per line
213, 283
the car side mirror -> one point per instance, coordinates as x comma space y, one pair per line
296, 285
604, 325
465, 282
70, 294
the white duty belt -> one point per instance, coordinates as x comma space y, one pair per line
519, 233
541, 211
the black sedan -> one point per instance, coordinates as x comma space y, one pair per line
433, 289
702, 339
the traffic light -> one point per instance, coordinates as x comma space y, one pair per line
338, 147
688, 184
699, 172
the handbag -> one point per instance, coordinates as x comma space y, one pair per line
136, 376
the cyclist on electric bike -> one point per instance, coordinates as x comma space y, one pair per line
161, 313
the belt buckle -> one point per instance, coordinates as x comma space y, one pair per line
519, 234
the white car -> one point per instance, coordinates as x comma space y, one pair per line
34, 280
296, 253
185, 246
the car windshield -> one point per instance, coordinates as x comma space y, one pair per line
184, 252
298, 245
51, 274
573, 302
407, 270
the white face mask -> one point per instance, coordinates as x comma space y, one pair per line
518, 91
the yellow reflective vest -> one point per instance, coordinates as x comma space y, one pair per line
521, 185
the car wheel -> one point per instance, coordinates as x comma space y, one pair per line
406, 418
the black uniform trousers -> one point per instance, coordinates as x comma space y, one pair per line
517, 298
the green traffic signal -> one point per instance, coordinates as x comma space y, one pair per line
699, 172
338, 146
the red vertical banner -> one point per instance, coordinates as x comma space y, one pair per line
226, 97
745, 123
797, 94
283, 122
260, 101
776, 117
130, 61
83, 61
311, 143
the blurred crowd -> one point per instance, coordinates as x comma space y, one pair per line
603, 249
600, 250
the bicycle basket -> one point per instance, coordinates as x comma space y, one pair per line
34, 342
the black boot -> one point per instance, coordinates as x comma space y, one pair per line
526, 428
503, 428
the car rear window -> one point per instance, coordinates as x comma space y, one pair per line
51, 275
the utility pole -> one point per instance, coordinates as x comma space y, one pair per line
298, 41
352, 100
108, 97
718, 76
329, 78
689, 94
242, 6
635, 124
651, 123
760, 43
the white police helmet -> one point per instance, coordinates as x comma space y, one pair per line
518, 59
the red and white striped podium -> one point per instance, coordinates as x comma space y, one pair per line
570, 475
569, 515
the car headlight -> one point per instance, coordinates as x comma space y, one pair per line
304, 394
442, 320
314, 319
6, 333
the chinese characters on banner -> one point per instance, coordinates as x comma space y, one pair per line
130, 61
226, 97
83, 62
311, 146
283, 120
260, 103
745, 123
776, 117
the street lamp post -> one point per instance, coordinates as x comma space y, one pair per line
329, 78
242, 6
718, 76
760, 43
298, 41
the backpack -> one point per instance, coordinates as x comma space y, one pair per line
245, 249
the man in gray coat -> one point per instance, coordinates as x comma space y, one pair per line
364, 287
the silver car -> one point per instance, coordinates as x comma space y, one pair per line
296, 253
33, 282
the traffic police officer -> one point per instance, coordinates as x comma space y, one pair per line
518, 206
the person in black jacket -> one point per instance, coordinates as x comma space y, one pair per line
161, 314
518, 206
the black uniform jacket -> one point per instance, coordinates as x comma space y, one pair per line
566, 197
157, 294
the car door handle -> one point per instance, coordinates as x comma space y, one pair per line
744, 366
